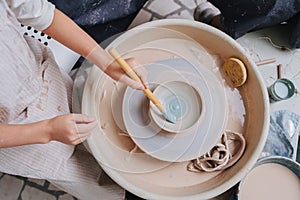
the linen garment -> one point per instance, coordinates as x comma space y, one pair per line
33, 88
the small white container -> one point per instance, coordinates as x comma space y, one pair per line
281, 89
258, 184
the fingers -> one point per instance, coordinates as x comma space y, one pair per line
83, 129
71, 128
81, 118
139, 70
84, 124
117, 73
79, 140
106, 63
131, 83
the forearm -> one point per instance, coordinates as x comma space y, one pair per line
21, 134
67, 32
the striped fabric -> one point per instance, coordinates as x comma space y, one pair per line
33, 88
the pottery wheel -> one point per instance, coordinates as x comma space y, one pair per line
115, 147
185, 145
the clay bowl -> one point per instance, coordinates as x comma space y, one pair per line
142, 174
180, 100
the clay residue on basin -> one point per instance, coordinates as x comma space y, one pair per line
167, 179
177, 175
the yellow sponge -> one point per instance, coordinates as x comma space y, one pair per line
236, 71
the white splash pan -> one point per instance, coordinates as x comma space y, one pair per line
148, 177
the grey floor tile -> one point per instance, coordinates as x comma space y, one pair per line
190, 4
65, 197
185, 14
142, 17
53, 188
37, 181
199, 1
163, 8
10, 187
31, 193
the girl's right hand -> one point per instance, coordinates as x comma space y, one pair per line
71, 128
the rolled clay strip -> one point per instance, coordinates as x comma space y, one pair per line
267, 61
223, 155
279, 71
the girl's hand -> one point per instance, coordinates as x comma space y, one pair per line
71, 128
117, 73
107, 64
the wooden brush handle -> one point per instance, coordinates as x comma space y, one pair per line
124, 65
131, 73
154, 100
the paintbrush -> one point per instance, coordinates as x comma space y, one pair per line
131, 73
